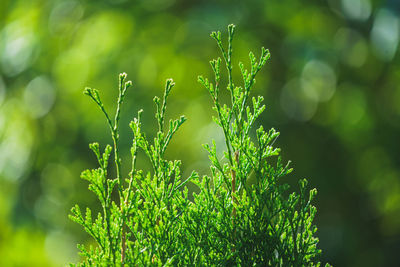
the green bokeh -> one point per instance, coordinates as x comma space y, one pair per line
331, 88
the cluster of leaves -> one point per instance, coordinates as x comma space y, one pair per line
242, 213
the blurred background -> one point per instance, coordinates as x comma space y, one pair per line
331, 88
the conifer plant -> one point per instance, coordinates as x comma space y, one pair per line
242, 214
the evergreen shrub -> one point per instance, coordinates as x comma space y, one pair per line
243, 213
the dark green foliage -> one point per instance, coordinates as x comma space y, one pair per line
242, 214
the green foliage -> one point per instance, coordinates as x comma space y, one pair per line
242, 214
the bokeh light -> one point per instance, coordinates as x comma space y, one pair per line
331, 88
385, 34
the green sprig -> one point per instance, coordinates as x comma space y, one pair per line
241, 214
